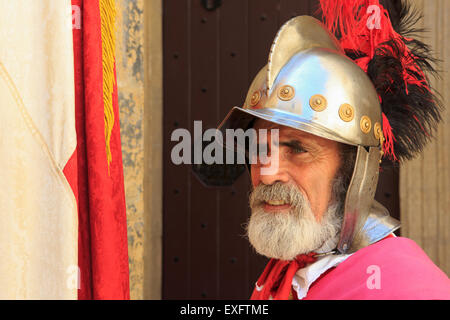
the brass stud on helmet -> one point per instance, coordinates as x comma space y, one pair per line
286, 93
318, 102
346, 112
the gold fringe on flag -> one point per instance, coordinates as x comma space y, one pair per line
108, 19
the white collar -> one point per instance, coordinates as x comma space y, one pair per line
305, 277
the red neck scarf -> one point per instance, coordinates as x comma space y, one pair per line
276, 279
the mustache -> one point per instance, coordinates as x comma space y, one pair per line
277, 191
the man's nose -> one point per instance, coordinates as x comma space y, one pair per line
274, 169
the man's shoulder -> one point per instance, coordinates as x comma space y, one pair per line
397, 258
393, 268
394, 253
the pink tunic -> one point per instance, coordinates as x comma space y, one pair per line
393, 268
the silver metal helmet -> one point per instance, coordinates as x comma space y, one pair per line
310, 85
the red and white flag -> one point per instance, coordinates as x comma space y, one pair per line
62, 203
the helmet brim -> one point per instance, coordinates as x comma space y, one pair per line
240, 118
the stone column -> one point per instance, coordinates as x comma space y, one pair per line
139, 74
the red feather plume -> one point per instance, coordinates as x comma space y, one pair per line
366, 32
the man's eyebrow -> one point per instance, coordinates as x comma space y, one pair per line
292, 144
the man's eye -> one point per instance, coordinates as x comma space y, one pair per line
298, 150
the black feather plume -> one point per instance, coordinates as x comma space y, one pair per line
412, 107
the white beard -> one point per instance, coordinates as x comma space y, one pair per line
287, 234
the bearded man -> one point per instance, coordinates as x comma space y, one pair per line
336, 108
298, 208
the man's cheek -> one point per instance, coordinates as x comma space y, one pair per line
254, 175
